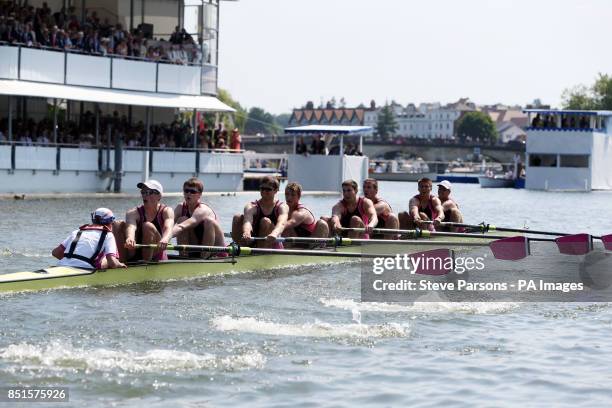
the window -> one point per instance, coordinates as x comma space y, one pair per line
574, 160
543, 160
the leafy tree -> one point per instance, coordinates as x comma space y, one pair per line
386, 125
231, 120
477, 125
259, 121
596, 97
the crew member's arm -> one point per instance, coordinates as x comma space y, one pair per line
247, 225
58, 251
437, 204
372, 217
336, 215
168, 217
281, 221
131, 219
413, 209
188, 224
297, 218
112, 257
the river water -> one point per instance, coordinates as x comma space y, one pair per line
301, 337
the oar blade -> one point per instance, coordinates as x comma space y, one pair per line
434, 262
511, 248
577, 244
607, 241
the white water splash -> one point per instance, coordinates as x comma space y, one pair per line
422, 307
317, 329
62, 357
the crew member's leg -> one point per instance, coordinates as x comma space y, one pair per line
265, 228
119, 233
237, 222
391, 222
186, 237
150, 235
356, 222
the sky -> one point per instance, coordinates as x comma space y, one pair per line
279, 54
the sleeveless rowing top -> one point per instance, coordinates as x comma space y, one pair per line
429, 210
272, 216
359, 211
157, 221
383, 216
304, 229
199, 230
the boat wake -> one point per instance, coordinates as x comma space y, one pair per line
60, 357
422, 307
8, 253
317, 329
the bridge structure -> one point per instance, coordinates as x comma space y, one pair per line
427, 151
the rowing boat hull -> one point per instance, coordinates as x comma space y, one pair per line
60, 276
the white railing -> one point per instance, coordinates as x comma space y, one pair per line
110, 72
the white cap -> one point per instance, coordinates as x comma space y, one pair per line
152, 185
446, 184
102, 216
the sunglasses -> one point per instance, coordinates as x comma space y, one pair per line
266, 189
148, 192
191, 191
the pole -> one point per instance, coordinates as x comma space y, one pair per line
10, 118
146, 158
97, 107
131, 15
54, 120
195, 135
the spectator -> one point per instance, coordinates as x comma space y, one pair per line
235, 140
317, 146
300, 147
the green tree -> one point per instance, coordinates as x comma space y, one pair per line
237, 119
596, 97
259, 121
477, 125
386, 125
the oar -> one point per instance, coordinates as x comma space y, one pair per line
568, 243
419, 233
507, 248
342, 241
483, 227
437, 268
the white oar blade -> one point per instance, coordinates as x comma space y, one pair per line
511, 248
578, 244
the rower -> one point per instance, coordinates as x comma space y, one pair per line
450, 207
265, 217
150, 223
301, 221
92, 246
422, 207
384, 212
196, 223
353, 212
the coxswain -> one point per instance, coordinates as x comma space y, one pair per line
265, 217
450, 207
92, 246
148, 224
301, 221
423, 207
353, 212
386, 218
196, 223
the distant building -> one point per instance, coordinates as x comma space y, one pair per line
510, 122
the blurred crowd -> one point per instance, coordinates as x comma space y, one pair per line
62, 30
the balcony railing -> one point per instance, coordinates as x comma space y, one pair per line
56, 66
